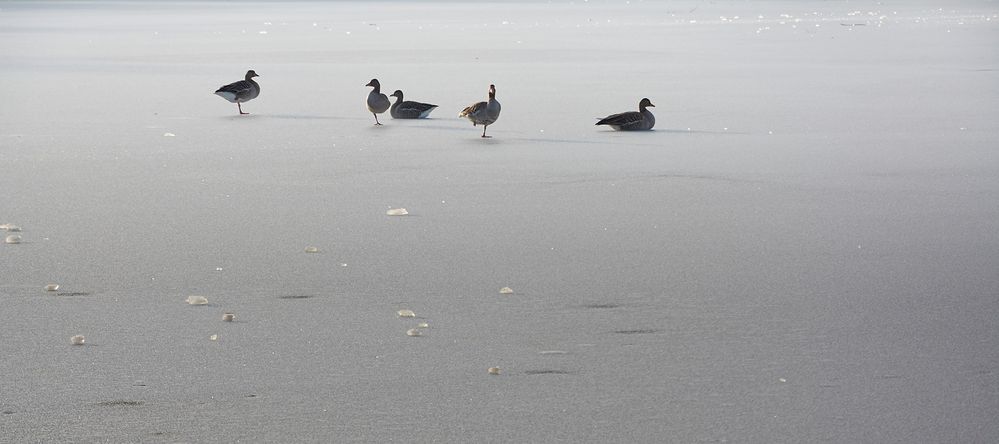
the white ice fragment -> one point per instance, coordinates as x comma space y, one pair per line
10, 227
52, 287
311, 250
553, 352
197, 300
228, 317
782, 379
12, 239
169, 135
494, 370
214, 337
262, 32
506, 290
423, 325
404, 313
77, 340
414, 332
397, 212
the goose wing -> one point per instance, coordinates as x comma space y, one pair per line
626, 119
239, 88
473, 110
412, 110
416, 107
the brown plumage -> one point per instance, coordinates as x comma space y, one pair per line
483, 113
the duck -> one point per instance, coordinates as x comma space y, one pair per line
483, 113
241, 91
377, 102
640, 120
409, 109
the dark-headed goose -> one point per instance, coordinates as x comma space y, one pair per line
377, 102
241, 91
632, 120
409, 109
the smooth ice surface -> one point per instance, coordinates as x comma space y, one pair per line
805, 248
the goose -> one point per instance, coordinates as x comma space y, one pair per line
483, 113
632, 120
377, 102
408, 109
241, 91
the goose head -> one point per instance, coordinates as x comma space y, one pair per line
251, 74
397, 93
374, 83
644, 103
492, 91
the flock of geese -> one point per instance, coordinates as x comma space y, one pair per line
479, 113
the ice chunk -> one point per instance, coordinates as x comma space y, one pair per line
506, 290
404, 313
423, 325
10, 227
197, 300
311, 250
169, 135
13, 239
228, 317
77, 340
52, 287
494, 370
397, 212
414, 332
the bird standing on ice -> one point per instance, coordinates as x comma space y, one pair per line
377, 102
409, 109
483, 113
241, 91
632, 120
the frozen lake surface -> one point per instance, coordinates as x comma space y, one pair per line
805, 249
